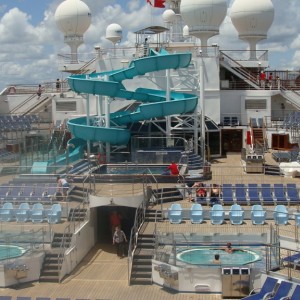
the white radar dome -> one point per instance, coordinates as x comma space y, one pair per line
114, 33
252, 18
185, 31
203, 17
73, 17
169, 16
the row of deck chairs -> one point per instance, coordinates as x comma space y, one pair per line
17, 122
272, 289
28, 192
264, 194
236, 214
36, 214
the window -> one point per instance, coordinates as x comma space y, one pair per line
256, 104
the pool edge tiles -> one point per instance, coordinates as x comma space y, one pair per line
241, 257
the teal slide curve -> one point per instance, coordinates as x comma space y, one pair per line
154, 104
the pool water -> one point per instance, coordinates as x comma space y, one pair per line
205, 256
9, 251
123, 170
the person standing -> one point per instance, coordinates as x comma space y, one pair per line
119, 240
262, 79
115, 221
39, 91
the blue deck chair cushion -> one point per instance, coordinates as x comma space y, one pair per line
292, 192
217, 214
227, 195
236, 214
37, 213
268, 287
175, 213
258, 215
281, 216
23, 212
196, 214
295, 295
266, 193
282, 291
279, 193
240, 193
253, 193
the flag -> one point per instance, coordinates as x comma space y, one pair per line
157, 3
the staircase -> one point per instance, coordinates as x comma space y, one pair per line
258, 136
77, 214
195, 161
51, 266
166, 195
141, 273
77, 194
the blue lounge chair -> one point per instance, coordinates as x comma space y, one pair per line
279, 194
175, 213
5, 297
196, 213
236, 214
268, 287
54, 214
282, 291
217, 214
258, 215
292, 260
227, 195
240, 193
253, 194
292, 192
253, 122
23, 212
7, 212
295, 294
266, 194
37, 213
281, 215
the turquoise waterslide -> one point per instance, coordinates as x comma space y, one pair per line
154, 104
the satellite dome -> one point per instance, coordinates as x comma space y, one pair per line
252, 18
203, 17
185, 31
114, 33
169, 16
73, 17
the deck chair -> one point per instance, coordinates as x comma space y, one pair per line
295, 294
37, 213
236, 214
54, 214
292, 192
268, 287
175, 213
226, 121
281, 215
266, 194
235, 121
282, 291
258, 215
227, 195
253, 194
292, 260
260, 122
279, 194
217, 214
23, 212
7, 212
240, 193
196, 213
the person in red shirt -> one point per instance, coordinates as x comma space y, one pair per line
262, 78
115, 221
173, 168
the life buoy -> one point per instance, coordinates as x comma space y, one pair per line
101, 158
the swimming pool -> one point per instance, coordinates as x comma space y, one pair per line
132, 169
10, 251
205, 256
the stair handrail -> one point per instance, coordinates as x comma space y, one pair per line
138, 222
240, 69
63, 245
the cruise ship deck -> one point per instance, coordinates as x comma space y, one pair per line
103, 275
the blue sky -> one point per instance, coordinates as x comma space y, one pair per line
30, 39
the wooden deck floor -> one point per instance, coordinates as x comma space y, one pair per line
102, 275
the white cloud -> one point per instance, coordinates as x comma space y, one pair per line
28, 53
